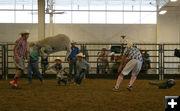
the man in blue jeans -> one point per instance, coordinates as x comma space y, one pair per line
72, 58
33, 65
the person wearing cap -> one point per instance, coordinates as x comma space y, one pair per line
20, 54
82, 68
72, 58
33, 64
131, 62
123, 42
57, 67
123, 39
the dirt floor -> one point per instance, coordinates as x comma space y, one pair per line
92, 95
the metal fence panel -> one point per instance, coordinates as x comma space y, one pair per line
171, 64
91, 51
3, 67
153, 49
11, 66
1, 60
162, 59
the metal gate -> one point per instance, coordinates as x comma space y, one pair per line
3, 67
170, 63
1, 61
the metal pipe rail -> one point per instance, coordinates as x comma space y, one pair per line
170, 63
161, 55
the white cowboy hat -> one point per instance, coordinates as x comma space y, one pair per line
129, 44
80, 55
24, 32
123, 35
58, 58
73, 42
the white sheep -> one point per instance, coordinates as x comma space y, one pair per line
52, 44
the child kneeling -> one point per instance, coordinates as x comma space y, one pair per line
82, 68
59, 70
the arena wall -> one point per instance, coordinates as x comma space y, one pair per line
98, 33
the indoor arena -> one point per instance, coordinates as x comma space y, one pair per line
89, 55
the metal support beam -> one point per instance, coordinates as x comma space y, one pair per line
41, 19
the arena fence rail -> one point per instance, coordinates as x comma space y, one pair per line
3, 68
1, 61
158, 60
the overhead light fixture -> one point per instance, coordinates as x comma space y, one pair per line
162, 12
173, 0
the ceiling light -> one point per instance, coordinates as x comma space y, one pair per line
173, 0
162, 12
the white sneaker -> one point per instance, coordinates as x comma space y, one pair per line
115, 89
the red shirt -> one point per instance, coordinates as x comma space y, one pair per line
20, 48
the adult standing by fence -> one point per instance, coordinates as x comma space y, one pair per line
123, 39
72, 58
20, 54
123, 42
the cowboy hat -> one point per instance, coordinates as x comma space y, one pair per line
80, 55
58, 58
123, 35
129, 44
73, 42
24, 32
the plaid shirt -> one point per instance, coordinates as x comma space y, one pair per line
20, 48
132, 53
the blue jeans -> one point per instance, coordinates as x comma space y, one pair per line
72, 66
34, 66
59, 81
79, 76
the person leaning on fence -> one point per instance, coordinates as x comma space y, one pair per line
115, 65
102, 61
131, 62
146, 61
57, 67
20, 54
33, 64
82, 68
72, 58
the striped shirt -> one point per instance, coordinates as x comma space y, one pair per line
20, 48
